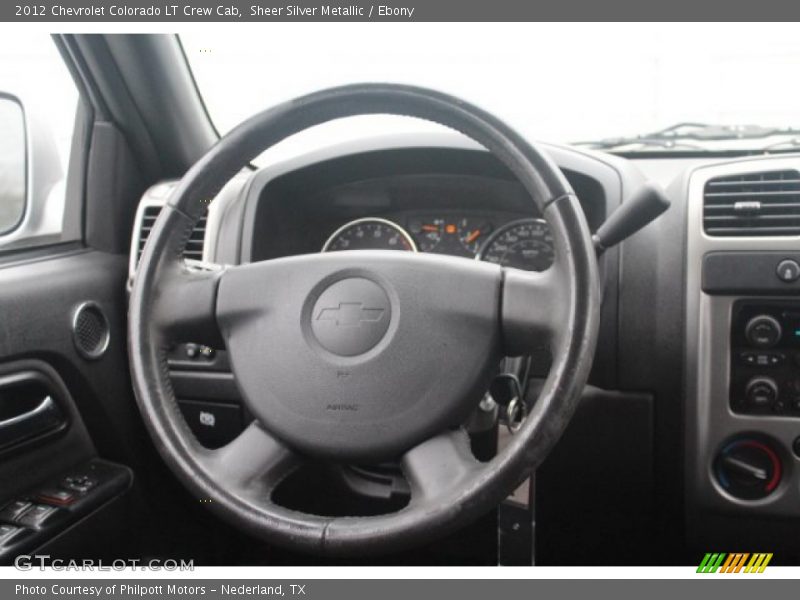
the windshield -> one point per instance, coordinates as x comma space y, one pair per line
563, 83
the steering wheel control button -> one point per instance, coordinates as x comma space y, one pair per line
748, 469
763, 331
351, 316
761, 393
796, 446
788, 271
213, 424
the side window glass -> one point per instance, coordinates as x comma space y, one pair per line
13, 163
38, 102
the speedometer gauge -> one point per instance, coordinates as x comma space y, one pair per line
525, 244
370, 234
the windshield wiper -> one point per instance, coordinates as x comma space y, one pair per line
790, 145
690, 135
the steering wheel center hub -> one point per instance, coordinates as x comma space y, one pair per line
315, 341
351, 316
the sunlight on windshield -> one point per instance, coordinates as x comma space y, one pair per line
555, 82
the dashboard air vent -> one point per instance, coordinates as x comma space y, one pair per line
755, 204
194, 247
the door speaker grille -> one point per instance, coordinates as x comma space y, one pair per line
90, 331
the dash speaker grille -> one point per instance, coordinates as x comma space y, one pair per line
90, 331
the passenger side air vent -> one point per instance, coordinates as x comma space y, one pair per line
756, 204
194, 247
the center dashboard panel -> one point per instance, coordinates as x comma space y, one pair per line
743, 350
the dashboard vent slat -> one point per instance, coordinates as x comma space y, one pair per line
753, 204
194, 246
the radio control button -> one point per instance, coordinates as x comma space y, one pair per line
762, 359
763, 331
761, 393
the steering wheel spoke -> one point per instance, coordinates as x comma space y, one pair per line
254, 461
533, 309
439, 464
186, 306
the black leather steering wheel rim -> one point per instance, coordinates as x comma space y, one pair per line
168, 303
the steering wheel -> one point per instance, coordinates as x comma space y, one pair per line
362, 356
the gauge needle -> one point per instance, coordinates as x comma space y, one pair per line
473, 236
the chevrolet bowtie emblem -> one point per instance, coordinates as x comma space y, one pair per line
350, 314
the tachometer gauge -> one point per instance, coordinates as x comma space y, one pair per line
370, 234
525, 244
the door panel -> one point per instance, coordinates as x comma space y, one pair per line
97, 429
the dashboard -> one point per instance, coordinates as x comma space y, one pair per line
679, 300
455, 202
428, 194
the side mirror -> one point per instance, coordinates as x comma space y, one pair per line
13, 162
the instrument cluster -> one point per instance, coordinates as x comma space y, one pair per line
522, 243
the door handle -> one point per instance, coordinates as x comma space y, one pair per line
16, 427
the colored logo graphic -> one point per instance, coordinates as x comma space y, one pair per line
737, 562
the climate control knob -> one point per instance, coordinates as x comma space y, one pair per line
763, 331
748, 469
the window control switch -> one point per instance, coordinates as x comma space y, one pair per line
56, 497
36, 516
12, 511
7, 532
